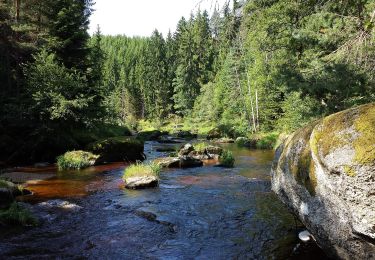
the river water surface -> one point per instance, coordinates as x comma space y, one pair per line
198, 213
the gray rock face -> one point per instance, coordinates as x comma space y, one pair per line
185, 150
141, 182
325, 174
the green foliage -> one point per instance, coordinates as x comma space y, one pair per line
258, 66
76, 160
267, 141
17, 215
297, 111
226, 159
57, 93
67, 31
140, 169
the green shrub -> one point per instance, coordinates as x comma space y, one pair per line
76, 160
141, 169
267, 141
226, 159
17, 215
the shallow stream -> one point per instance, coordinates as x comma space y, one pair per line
198, 213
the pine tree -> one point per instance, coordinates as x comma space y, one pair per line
67, 27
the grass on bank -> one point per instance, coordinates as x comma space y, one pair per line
76, 160
226, 159
200, 147
17, 215
142, 169
267, 140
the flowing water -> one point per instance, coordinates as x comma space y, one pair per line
198, 213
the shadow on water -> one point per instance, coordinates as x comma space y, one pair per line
204, 213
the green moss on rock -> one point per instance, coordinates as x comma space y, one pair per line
350, 171
76, 160
354, 128
300, 163
118, 149
364, 145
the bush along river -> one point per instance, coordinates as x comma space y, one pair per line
205, 213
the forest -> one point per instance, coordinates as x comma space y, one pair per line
253, 67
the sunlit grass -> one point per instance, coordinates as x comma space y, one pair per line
141, 169
76, 160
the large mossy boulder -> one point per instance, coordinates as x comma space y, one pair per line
214, 133
118, 149
246, 142
151, 135
325, 174
76, 160
185, 134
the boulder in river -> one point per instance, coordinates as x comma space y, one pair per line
185, 134
189, 162
325, 174
9, 191
140, 182
246, 142
151, 135
224, 140
214, 133
168, 162
118, 149
185, 150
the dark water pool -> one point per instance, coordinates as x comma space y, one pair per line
199, 213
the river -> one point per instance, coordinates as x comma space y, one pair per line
197, 213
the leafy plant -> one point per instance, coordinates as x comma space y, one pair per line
226, 159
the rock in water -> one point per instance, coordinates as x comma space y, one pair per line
168, 162
325, 174
185, 150
117, 149
141, 182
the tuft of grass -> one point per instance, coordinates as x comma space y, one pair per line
17, 215
200, 147
4, 184
76, 160
141, 169
226, 159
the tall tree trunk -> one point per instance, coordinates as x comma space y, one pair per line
248, 84
17, 4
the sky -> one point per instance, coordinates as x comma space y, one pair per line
141, 17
